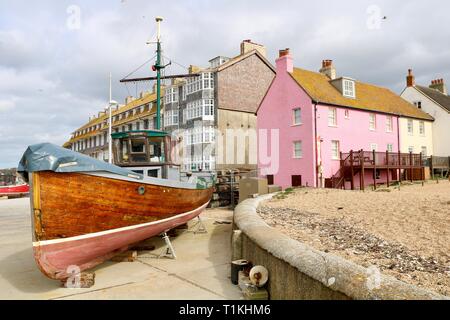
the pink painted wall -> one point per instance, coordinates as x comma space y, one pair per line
276, 113
353, 134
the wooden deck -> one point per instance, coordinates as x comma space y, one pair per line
358, 162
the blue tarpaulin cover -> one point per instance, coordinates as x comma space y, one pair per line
50, 157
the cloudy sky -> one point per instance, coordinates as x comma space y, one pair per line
55, 56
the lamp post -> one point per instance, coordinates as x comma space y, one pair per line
111, 104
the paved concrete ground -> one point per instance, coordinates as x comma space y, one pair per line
201, 271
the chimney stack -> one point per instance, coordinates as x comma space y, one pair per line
410, 79
248, 45
439, 85
285, 62
328, 69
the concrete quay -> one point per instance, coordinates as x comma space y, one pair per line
201, 271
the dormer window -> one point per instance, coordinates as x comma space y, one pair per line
349, 88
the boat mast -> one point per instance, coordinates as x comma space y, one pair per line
158, 68
110, 120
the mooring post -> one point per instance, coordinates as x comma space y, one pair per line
351, 170
387, 164
362, 170
374, 170
411, 166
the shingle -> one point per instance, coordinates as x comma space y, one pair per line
437, 96
368, 97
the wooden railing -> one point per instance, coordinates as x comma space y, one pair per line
439, 162
382, 159
338, 180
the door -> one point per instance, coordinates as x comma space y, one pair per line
270, 179
296, 181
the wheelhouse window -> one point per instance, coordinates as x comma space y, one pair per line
297, 116
332, 117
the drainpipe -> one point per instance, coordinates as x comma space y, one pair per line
315, 143
398, 133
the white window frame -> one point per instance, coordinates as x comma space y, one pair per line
424, 154
335, 152
390, 147
422, 128
411, 149
295, 149
372, 122
294, 116
347, 114
348, 88
374, 147
332, 117
389, 123
410, 125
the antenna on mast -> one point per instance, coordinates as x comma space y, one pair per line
158, 68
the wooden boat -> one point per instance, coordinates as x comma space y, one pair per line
85, 211
14, 191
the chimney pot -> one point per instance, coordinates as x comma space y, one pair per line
284, 52
410, 79
285, 62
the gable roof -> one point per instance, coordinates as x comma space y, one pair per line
436, 95
368, 97
241, 57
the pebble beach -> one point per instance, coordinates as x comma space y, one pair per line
405, 231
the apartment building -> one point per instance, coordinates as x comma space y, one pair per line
136, 114
217, 103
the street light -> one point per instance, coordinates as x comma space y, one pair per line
111, 104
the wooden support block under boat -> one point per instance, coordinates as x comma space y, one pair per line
83, 220
83, 280
127, 256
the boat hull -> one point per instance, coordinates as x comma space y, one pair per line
81, 220
14, 191
57, 259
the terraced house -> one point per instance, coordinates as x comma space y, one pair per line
434, 100
136, 114
321, 117
221, 97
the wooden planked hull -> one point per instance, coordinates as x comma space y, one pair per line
82, 220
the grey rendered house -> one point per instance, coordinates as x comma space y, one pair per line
216, 105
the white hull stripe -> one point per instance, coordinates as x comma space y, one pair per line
101, 233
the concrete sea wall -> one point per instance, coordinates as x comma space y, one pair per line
299, 272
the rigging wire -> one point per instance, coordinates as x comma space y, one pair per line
140, 66
178, 64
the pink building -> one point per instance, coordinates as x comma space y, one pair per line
318, 116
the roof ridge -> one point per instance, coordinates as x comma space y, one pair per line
371, 97
356, 81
